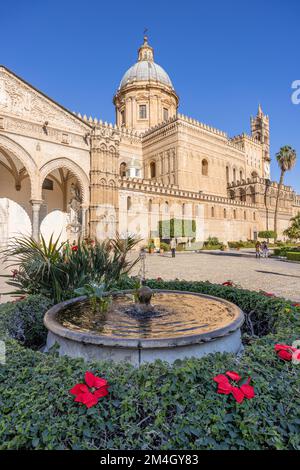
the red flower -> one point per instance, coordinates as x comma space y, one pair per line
15, 272
159, 278
239, 393
248, 390
267, 294
296, 305
99, 389
74, 248
228, 283
233, 376
284, 351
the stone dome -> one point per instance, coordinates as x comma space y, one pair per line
146, 70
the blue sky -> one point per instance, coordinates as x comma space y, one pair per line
224, 57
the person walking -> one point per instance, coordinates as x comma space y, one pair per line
257, 249
173, 247
265, 249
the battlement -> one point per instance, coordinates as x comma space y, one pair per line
98, 123
159, 189
258, 180
243, 137
182, 118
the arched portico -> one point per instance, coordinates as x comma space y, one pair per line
63, 202
18, 187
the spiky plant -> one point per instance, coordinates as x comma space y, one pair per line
39, 267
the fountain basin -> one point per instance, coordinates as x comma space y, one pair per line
197, 325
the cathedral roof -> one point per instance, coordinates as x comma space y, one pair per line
145, 69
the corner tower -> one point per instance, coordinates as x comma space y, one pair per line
146, 95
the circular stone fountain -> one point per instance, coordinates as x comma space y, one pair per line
169, 325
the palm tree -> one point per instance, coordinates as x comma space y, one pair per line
286, 159
293, 231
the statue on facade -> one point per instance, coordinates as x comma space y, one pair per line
74, 212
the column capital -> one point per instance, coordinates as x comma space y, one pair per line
36, 202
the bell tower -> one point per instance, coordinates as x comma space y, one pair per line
260, 131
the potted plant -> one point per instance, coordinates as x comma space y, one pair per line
151, 247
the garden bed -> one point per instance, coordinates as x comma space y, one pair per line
157, 406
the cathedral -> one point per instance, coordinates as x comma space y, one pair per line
76, 176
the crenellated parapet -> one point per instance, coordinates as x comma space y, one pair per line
159, 189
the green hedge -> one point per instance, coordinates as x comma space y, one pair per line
293, 256
282, 251
159, 406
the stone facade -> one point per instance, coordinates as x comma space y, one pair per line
78, 176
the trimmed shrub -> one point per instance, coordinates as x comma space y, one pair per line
24, 321
267, 234
293, 256
159, 406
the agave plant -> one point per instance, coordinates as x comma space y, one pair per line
100, 301
39, 266
56, 269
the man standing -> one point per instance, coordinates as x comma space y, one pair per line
173, 247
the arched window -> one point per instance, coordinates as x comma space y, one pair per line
166, 207
129, 203
243, 195
245, 215
254, 174
212, 211
150, 205
241, 175
227, 174
183, 210
204, 167
234, 175
225, 213
152, 170
254, 216
234, 214
123, 169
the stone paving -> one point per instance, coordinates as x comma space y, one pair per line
271, 275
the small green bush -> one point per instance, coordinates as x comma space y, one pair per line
293, 256
164, 246
24, 322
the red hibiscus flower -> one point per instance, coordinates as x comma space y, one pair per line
284, 351
228, 283
296, 305
14, 272
98, 386
74, 248
225, 387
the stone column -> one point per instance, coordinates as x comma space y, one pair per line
83, 222
36, 205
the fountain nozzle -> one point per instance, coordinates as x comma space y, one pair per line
144, 295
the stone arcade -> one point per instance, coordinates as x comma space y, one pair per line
78, 176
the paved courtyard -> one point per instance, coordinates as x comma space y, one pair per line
271, 275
